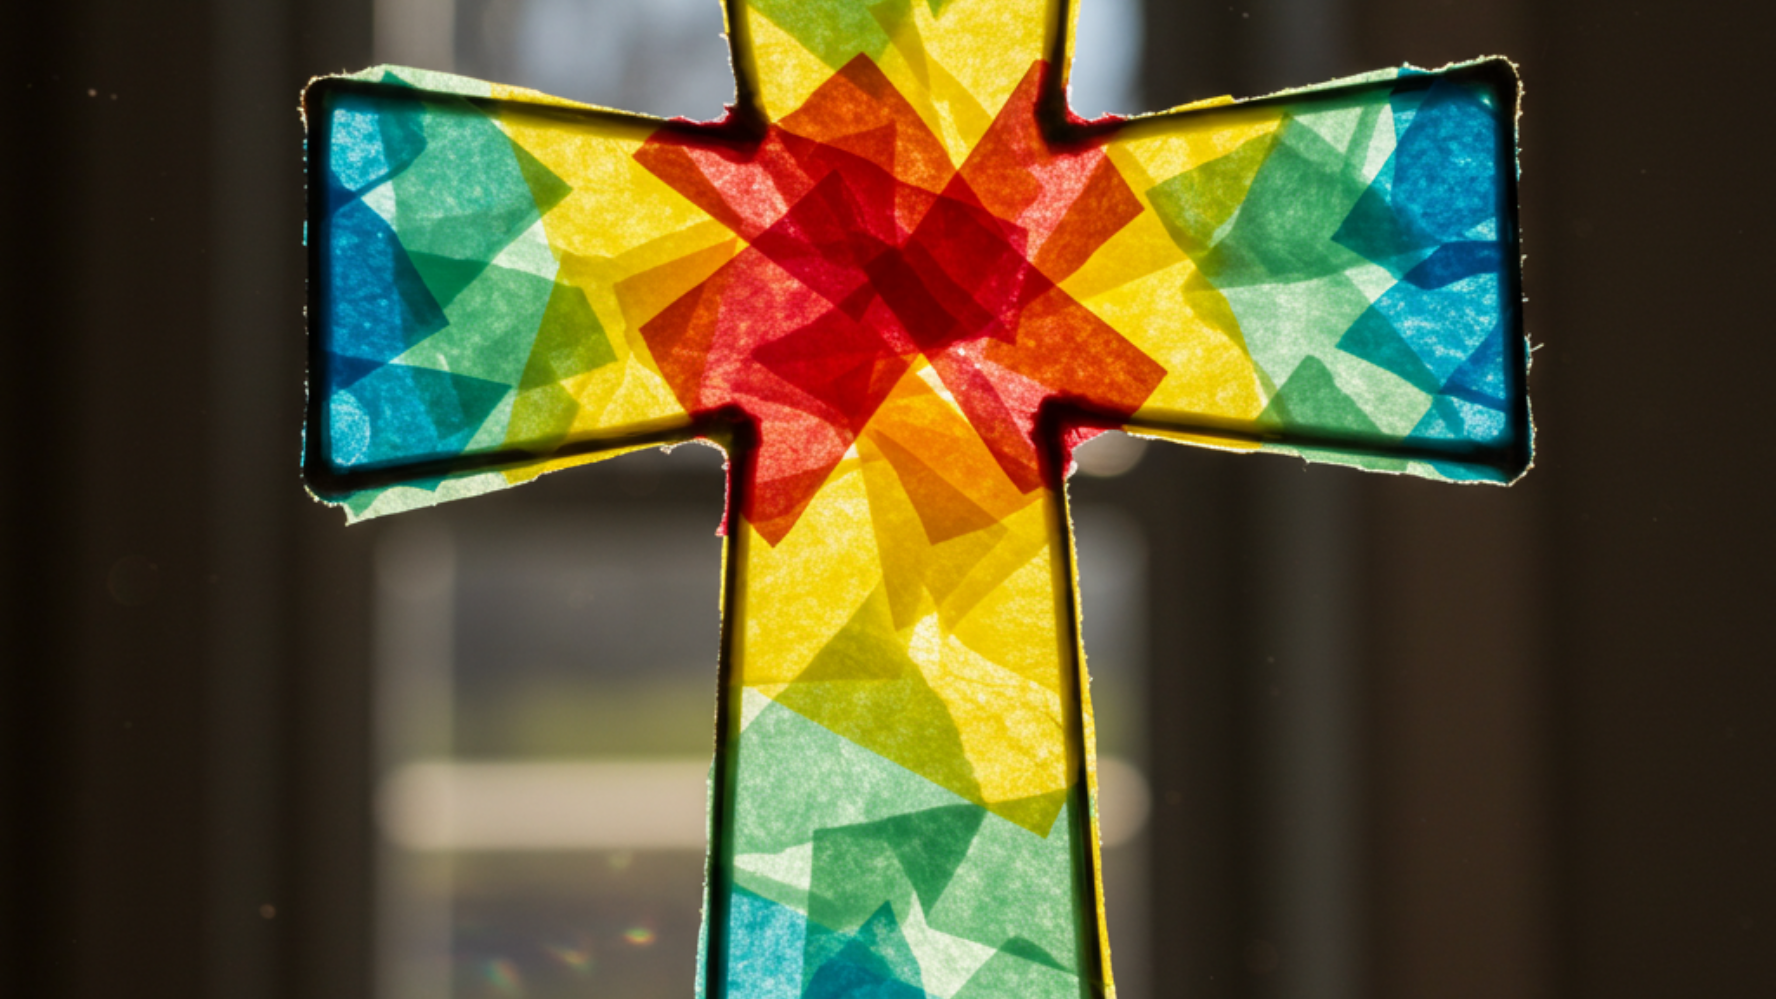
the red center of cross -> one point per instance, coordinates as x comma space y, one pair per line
866, 249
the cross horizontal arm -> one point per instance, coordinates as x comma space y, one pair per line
1331, 272
484, 260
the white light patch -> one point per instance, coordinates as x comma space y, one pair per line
1381, 144
1373, 280
946, 962
381, 200
751, 703
793, 866
530, 253
931, 378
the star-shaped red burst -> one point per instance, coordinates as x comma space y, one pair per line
867, 248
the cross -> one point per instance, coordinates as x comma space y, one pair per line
898, 283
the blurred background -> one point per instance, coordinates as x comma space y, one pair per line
1367, 736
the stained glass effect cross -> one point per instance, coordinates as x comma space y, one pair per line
898, 283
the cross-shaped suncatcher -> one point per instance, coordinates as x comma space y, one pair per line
898, 283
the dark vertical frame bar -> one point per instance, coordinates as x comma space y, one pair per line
1087, 878
741, 445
